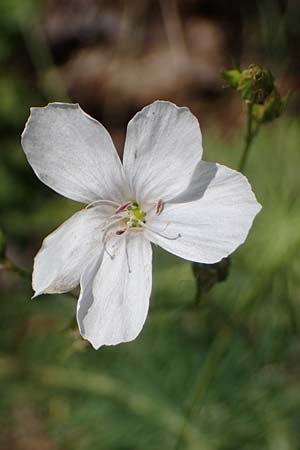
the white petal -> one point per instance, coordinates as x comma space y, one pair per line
213, 226
163, 146
73, 154
68, 250
114, 300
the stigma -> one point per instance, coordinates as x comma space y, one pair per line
131, 216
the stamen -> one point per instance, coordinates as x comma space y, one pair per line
106, 251
123, 208
110, 224
105, 247
102, 202
104, 237
159, 207
165, 236
120, 232
127, 256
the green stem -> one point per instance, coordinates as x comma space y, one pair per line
204, 378
292, 313
222, 341
9, 266
250, 135
232, 323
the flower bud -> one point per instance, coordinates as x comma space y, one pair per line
256, 86
207, 275
272, 108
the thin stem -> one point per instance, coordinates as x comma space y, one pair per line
207, 275
293, 316
222, 341
8, 266
102, 202
203, 380
41, 58
250, 135
234, 323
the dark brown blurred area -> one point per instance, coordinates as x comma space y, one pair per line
115, 57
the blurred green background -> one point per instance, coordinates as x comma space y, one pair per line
221, 376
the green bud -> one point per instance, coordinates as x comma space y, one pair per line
256, 87
255, 84
232, 77
272, 108
208, 275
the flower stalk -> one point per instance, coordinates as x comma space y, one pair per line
256, 87
8, 266
263, 104
205, 377
248, 139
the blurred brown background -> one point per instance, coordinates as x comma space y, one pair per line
113, 57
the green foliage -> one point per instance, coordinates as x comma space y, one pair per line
134, 396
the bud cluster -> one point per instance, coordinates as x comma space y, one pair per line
256, 86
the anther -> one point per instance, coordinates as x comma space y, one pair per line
120, 232
159, 207
122, 208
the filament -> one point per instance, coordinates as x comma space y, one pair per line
127, 256
110, 224
106, 251
104, 237
102, 202
165, 236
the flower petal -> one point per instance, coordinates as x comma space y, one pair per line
162, 148
114, 300
210, 228
73, 154
68, 250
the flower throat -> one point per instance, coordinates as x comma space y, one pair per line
131, 215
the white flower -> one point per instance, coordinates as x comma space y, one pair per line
162, 193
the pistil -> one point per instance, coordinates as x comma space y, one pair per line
131, 215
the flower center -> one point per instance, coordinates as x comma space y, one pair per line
131, 216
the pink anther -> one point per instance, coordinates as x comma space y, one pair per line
123, 208
159, 207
